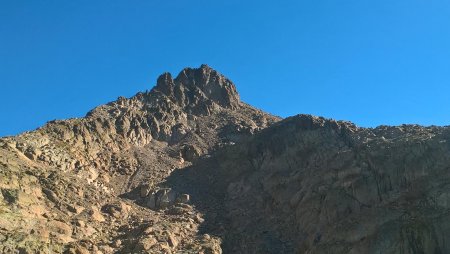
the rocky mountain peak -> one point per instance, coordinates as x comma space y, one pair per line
199, 87
188, 168
170, 112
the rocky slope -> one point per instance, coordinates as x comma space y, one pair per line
93, 184
189, 168
320, 186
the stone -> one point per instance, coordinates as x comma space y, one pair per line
51, 195
183, 198
75, 209
32, 153
165, 198
164, 246
147, 243
80, 223
173, 242
161, 198
60, 231
190, 152
199, 219
117, 243
96, 214
117, 210
151, 201
145, 189
81, 250
61, 228
88, 230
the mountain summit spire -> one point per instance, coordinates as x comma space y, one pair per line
195, 86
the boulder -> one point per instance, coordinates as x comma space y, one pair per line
183, 198
145, 189
161, 198
96, 214
190, 152
116, 210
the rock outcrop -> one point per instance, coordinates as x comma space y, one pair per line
199, 91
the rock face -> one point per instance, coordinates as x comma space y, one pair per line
312, 185
188, 168
199, 91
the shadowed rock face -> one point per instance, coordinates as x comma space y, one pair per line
189, 168
199, 90
312, 185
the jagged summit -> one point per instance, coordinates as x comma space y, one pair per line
196, 86
170, 109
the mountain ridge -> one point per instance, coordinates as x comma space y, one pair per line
187, 167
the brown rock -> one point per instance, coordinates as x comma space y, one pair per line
77, 250
190, 152
147, 243
80, 223
61, 228
165, 248
118, 210
96, 214
61, 231
173, 242
117, 243
145, 189
75, 209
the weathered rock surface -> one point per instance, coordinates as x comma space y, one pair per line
312, 185
77, 183
188, 168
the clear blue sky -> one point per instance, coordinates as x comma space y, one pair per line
371, 62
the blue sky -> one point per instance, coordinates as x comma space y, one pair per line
370, 62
